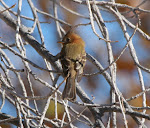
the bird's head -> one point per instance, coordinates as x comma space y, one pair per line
71, 38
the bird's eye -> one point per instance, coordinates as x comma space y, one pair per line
68, 39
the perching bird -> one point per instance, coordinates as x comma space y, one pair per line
73, 59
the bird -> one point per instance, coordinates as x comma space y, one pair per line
73, 59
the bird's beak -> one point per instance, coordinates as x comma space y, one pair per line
61, 42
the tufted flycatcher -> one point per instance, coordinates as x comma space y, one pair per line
73, 59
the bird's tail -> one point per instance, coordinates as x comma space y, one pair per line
69, 92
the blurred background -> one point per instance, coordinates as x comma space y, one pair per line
97, 86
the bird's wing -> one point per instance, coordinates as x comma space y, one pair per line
66, 65
79, 65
